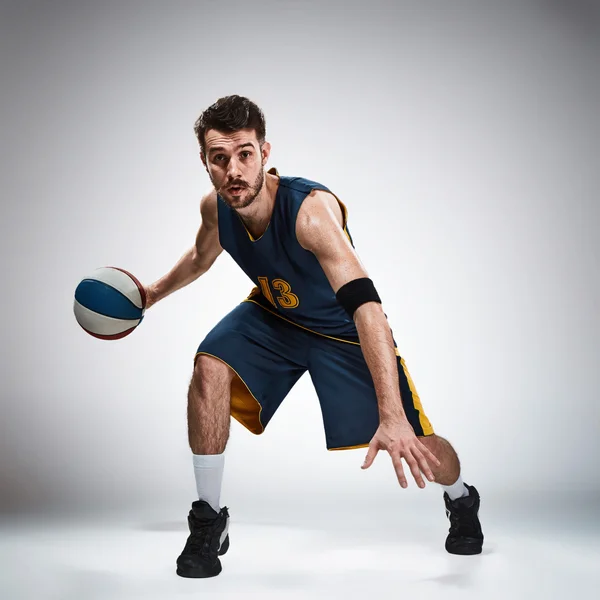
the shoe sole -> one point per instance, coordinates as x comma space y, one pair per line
466, 549
201, 573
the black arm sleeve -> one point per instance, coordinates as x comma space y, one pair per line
355, 293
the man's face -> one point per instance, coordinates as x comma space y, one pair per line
235, 162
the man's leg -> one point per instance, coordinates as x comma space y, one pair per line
243, 368
351, 417
209, 399
461, 500
209, 412
449, 470
209, 408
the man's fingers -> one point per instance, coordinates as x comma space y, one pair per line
371, 454
397, 462
423, 464
429, 455
414, 469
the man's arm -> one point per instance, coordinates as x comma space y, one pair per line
319, 230
197, 260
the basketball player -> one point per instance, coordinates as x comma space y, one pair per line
315, 309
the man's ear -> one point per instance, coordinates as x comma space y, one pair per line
265, 153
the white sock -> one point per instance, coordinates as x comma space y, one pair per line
208, 469
457, 489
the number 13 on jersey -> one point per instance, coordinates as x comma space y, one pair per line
286, 298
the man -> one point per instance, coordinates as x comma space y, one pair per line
315, 309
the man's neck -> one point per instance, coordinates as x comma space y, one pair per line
257, 216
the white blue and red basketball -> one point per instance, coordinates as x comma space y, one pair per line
110, 303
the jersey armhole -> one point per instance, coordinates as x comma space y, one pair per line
344, 217
342, 206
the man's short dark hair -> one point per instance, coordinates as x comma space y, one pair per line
228, 114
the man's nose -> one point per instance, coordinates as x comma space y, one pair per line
233, 169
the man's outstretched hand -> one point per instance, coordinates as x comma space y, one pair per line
400, 441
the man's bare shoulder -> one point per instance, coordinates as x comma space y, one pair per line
317, 204
208, 207
319, 215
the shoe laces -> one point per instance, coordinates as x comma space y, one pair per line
463, 520
202, 534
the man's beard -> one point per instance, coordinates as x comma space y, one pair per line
251, 190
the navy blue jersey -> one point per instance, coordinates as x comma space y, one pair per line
289, 279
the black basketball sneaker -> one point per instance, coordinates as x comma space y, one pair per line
208, 539
465, 535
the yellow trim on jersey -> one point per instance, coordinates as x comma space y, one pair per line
349, 447
242, 408
249, 299
252, 239
345, 216
423, 420
367, 445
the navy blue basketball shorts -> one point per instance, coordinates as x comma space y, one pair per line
269, 354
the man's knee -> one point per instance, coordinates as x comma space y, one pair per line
430, 440
435, 441
210, 372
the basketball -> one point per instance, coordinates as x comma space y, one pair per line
110, 303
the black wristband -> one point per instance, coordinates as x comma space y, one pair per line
355, 293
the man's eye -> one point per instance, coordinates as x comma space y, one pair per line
246, 154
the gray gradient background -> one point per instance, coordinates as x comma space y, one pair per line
463, 137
